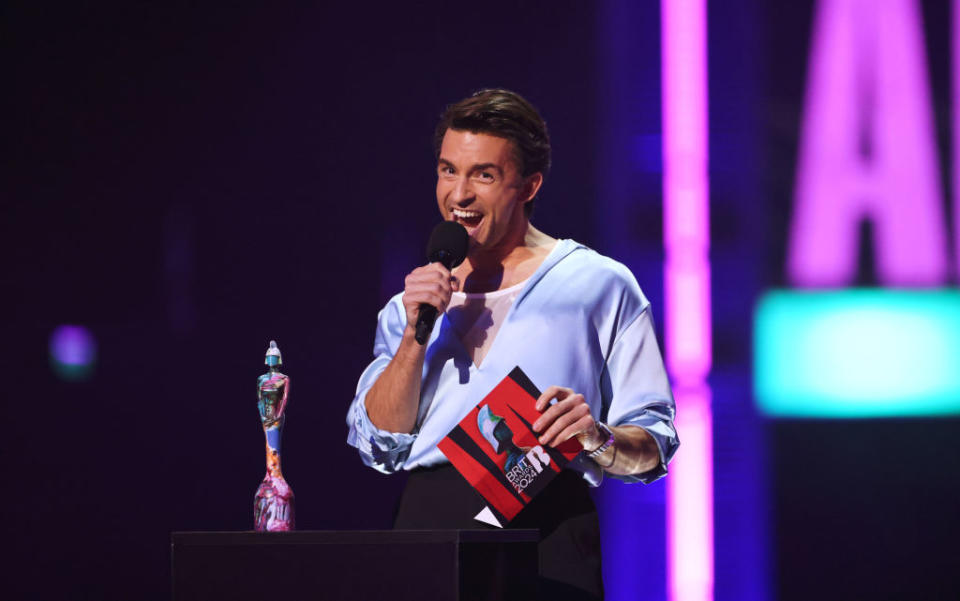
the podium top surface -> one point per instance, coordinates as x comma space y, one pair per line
355, 537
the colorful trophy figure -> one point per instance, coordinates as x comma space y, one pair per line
273, 504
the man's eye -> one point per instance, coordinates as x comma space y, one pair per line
485, 176
446, 170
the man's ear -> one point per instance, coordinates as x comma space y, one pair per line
531, 185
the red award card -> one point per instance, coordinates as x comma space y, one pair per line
495, 449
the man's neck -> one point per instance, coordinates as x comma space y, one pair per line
505, 267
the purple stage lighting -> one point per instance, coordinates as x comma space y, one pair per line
687, 331
73, 352
868, 150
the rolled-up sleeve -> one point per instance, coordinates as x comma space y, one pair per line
636, 392
380, 449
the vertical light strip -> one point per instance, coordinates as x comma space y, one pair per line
955, 100
685, 190
687, 296
690, 500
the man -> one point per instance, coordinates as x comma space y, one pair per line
574, 321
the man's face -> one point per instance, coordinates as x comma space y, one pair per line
480, 187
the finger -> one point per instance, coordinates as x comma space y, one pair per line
555, 434
435, 268
425, 297
434, 286
558, 392
436, 293
424, 277
578, 429
552, 413
571, 415
439, 268
558, 408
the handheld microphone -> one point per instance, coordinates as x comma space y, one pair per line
448, 246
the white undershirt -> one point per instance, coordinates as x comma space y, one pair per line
476, 317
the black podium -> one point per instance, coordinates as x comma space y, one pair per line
367, 565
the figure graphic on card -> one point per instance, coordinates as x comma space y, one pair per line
496, 431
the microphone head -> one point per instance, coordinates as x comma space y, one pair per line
448, 244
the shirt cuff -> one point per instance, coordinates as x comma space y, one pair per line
661, 429
382, 450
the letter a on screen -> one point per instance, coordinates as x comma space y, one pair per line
867, 150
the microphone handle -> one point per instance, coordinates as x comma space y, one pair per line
428, 313
425, 318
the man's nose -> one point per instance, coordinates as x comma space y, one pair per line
462, 192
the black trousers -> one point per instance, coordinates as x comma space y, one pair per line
440, 498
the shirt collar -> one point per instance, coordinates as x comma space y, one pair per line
561, 250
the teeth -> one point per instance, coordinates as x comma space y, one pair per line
466, 214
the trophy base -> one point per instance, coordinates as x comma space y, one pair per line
273, 506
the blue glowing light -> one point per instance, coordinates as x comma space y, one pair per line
73, 352
858, 353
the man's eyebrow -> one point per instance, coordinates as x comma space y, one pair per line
474, 168
485, 166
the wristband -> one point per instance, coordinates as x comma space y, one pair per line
602, 427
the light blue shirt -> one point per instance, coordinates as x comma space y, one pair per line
581, 321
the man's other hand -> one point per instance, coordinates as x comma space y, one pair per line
431, 284
568, 417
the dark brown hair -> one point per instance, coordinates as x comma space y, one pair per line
504, 114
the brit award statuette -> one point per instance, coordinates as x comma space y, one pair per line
273, 503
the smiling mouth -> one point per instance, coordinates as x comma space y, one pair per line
468, 219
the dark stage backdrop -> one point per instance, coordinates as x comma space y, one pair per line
190, 181
861, 508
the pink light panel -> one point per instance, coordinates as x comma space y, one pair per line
955, 72
689, 496
687, 296
867, 150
